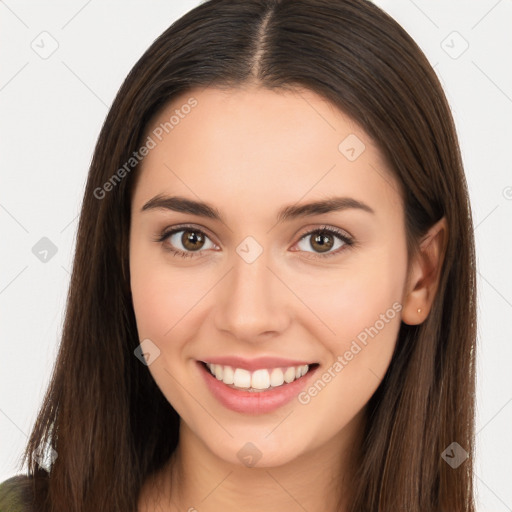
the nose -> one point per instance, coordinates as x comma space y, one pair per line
252, 303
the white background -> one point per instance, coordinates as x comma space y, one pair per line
51, 114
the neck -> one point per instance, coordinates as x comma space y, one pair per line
196, 479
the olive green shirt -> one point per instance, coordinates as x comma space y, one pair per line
16, 494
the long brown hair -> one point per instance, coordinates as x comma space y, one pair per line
103, 413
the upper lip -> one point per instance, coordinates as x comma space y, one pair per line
256, 363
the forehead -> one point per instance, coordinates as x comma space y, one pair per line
259, 147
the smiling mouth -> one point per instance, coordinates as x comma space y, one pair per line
260, 380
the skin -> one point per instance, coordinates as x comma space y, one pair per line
248, 152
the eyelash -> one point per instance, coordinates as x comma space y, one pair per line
324, 229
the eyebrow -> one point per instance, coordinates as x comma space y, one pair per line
290, 212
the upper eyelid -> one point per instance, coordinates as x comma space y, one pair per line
176, 229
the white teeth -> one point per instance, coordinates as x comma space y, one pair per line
229, 375
219, 371
242, 378
289, 374
276, 377
258, 380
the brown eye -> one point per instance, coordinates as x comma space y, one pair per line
322, 242
186, 241
192, 240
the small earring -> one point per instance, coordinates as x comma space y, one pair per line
419, 310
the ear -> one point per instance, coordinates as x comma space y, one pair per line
424, 274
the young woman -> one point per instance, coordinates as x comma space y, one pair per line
272, 304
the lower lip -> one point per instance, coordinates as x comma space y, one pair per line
254, 402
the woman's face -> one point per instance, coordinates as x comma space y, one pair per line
261, 282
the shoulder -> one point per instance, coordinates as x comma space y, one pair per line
17, 494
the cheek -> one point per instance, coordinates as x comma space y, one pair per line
161, 299
157, 302
363, 308
162, 294
353, 298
